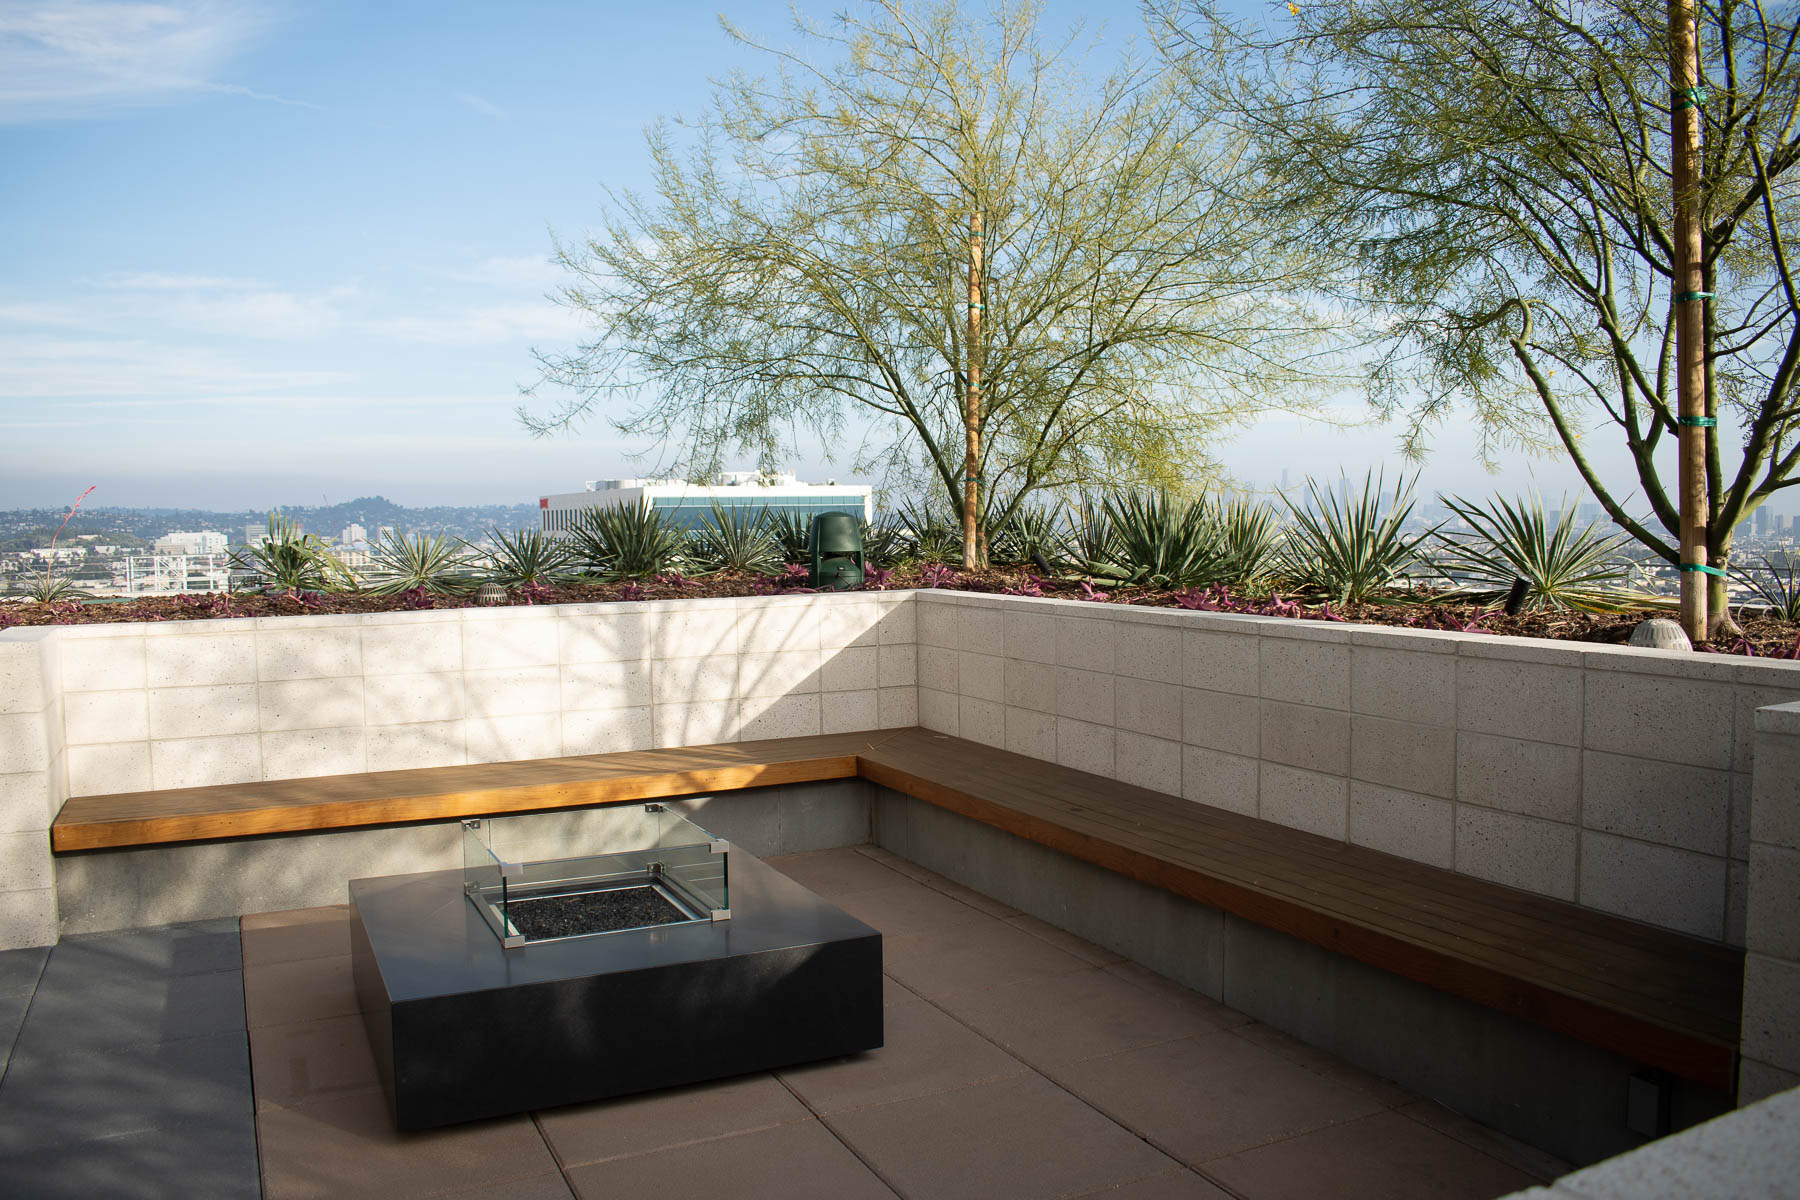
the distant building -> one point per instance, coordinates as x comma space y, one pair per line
353, 535
689, 504
1762, 522
206, 541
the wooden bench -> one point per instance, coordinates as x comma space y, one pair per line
1656, 997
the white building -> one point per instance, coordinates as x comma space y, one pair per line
690, 504
353, 535
205, 541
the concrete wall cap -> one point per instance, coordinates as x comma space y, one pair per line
1779, 718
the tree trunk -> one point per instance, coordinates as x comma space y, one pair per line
972, 406
1688, 284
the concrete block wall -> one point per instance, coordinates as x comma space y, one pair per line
1771, 1032
32, 766
1616, 778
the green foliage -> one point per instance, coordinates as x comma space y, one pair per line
294, 561
1778, 589
1090, 538
735, 539
49, 588
1566, 567
1351, 550
627, 541
438, 563
530, 557
793, 531
884, 543
1250, 537
1161, 543
932, 535
1031, 531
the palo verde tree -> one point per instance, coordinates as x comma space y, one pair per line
935, 239
1501, 170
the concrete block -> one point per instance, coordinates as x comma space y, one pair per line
1298, 735
699, 724
1148, 762
1031, 732
898, 707
937, 668
937, 619
940, 710
202, 762
1741, 786
898, 666
509, 643
309, 704
850, 669
1422, 828
302, 753
24, 743
1746, 700
779, 717
610, 637
27, 919
1401, 754
1031, 637
1522, 852
981, 630
782, 673
1403, 685
1085, 695
981, 676
1534, 779
1772, 1011
405, 747
849, 622
102, 663
1150, 709
1662, 802
1759, 1081
107, 770
178, 712
1152, 652
25, 801
25, 861
842, 712
771, 628
21, 677
1658, 885
1084, 746
1303, 671
412, 649
1531, 702
1031, 685
1652, 716
1304, 800
1219, 721
412, 699
1772, 922
687, 631
1737, 901
1222, 662
1221, 780
692, 680
597, 685
514, 738
982, 721
516, 691
94, 717
1774, 791
606, 731
307, 653
899, 621
1087, 643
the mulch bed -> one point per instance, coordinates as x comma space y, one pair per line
1761, 637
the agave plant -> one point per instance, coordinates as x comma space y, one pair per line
530, 558
1777, 589
293, 561
438, 563
1161, 543
737, 540
933, 536
884, 543
1565, 567
1351, 550
1028, 534
1251, 539
627, 542
792, 532
1090, 538
52, 589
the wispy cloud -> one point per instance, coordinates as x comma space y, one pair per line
486, 108
534, 272
494, 324
71, 58
64, 369
150, 281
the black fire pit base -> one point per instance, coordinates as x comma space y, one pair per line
463, 1028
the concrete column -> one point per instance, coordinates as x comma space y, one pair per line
1771, 1034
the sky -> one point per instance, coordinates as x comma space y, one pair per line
261, 253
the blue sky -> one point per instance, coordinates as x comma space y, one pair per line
262, 254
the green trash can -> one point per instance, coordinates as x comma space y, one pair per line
837, 552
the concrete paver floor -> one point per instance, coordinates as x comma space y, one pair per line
1020, 1062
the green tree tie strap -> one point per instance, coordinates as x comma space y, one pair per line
1684, 297
1698, 422
1690, 97
1703, 567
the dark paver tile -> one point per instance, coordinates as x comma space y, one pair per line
177, 1087
925, 1051
971, 955
1178, 1184
191, 948
1321, 1062
1047, 1020
1141, 976
1062, 939
1022, 1138
802, 1161
307, 1060
311, 989
1383, 1157
834, 873
208, 1162
1540, 1164
12, 1017
908, 908
92, 1003
586, 1133
538, 1187
1205, 1097
345, 1146
19, 970
297, 934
